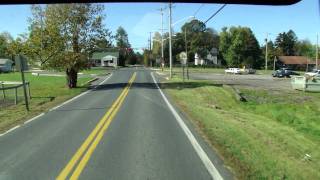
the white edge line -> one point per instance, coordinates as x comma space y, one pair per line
36, 117
12, 129
201, 153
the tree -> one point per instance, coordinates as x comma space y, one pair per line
62, 35
139, 58
305, 48
156, 45
285, 43
200, 39
146, 57
239, 47
17, 46
122, 39
122, 43
5, 41
45, 42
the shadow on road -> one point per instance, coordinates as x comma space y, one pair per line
169, 85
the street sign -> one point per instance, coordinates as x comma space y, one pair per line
183, 58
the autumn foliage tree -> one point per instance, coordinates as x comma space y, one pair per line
62, 35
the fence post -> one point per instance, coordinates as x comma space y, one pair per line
4, 93
16, 96
29, 93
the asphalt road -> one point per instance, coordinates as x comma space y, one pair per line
121, 129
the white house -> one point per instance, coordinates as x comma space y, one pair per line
212, 59
105, 58
109, 60
5, 65
198, 60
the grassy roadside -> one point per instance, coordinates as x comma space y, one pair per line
196, 70
178, 70
46, 92
97, 71
267, 137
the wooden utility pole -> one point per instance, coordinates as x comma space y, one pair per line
170, 38
266, 57
186, 44
317, 52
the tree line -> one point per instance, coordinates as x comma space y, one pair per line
237, 46
63, 37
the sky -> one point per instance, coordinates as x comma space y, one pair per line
138, 19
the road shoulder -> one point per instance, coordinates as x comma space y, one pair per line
211, 152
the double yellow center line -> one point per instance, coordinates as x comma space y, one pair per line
85, 151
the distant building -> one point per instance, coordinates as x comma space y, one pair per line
210, 59
5, 65
295, 62
105, 58
198, 60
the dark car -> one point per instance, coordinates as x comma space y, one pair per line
284, 72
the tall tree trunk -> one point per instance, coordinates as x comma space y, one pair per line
72, 77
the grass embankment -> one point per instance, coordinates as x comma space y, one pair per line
267, 137
46, 92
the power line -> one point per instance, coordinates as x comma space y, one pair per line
214, 14
196, 12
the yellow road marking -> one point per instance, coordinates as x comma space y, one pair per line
93, 137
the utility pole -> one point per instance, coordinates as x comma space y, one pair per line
170, 37
266, 58
317, 52
186, 44
150, 41
162, 54
41, 27
150, 48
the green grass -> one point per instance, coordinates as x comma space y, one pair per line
46, 92
219, 70
98, 71
197, 70
264, 138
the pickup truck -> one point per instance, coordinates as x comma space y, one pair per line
240, 71
313, 73
233, 71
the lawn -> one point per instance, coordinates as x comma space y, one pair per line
274, 135
46, 92
96, 70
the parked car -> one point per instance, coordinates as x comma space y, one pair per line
313, 73
284, 72
233, 71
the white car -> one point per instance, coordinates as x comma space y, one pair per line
233, 70
313, 73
